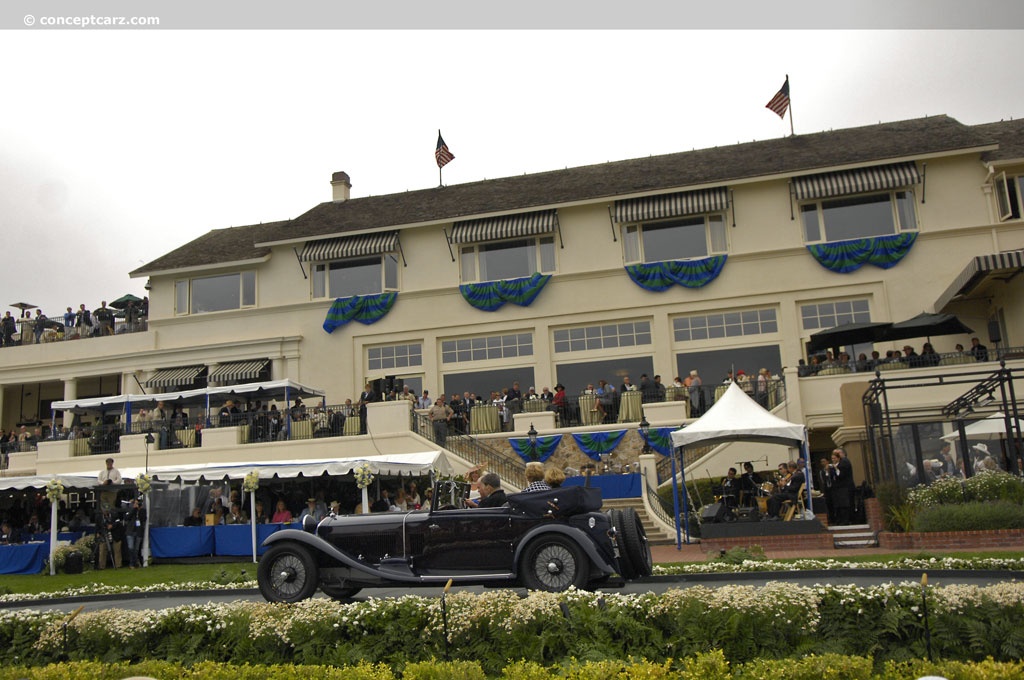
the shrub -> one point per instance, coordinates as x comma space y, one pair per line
890, 495
970, 517
901, 517
739, 555
995, 485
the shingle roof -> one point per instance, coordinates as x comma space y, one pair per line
215, 247
715, 166
1009, 134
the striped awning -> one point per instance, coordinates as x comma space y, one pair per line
505, 227
349, 246
859, 181
238, 370
671, 205
980, 268
172, 377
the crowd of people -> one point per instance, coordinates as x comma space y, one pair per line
34, 327
908, 357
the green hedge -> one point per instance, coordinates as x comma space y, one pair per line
706, 666
970, 517
747, 623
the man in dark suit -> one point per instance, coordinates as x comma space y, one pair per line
789, 492
491, 493
367, 396
841, 472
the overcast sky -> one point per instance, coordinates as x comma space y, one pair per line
117, 147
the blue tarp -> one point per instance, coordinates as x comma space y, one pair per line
612, 486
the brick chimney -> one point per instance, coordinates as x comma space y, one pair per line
340, 186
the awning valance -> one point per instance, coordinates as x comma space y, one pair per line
859, 181
505, 227
171, 377
977, 270
671, 205
349, 246
237, 370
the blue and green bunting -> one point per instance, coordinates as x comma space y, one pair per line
545, 447
594, 444
365, 309
491, 295
659, 276
660, 439
846, 256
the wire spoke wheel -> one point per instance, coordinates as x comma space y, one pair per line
287, 573
554, 564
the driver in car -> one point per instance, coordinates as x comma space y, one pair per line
491, 493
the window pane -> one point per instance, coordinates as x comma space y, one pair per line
858, 217
390, 272
479, 353
215, 293
809, 215
769, 326
319, 281
355, 277
561, 345
675, 240
373, 352
507, 260
561, 335
905, 207
547, 254
631, 244
181, 297
248, 289
468, 260
859, 305
717, 232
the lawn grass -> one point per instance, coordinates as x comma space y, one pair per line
223, 572
840, 556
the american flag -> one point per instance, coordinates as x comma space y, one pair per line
780, 102
441, 153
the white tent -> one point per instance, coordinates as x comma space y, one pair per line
286, 389
408, 464
992, 427
737, 417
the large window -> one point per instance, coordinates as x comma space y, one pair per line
862, 216
725, 325
823, 315
362, 276
1009, 196
394, 356
508, 259
628, 334
215, 293
677, 239
487, 348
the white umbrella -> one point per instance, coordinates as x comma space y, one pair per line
992, 427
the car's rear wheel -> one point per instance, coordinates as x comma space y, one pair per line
635, 545
626, 568
341, 593
287, 573
554, 563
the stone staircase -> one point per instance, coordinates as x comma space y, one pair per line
853, 536
655, 534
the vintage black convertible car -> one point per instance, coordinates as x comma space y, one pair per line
547, 540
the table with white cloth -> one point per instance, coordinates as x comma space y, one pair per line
589, 415
630, 407
484, 419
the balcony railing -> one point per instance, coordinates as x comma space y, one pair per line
55, 331
916, 361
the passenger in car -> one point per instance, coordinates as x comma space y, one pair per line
535, 477
491, 493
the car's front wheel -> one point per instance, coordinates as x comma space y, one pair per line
554, 563
287, 573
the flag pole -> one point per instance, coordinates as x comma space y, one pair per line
791, 133
440, 182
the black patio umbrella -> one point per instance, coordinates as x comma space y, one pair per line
849, 334
925, 325
23, 305
122, 302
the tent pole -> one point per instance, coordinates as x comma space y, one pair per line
675, 502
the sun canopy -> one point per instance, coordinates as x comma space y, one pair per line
40, 482
737, 417
407, 464
992, 427
276, 388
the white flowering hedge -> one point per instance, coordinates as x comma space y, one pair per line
496, 627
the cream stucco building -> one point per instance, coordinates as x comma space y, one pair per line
719, 258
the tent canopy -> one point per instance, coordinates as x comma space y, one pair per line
70, 481
408, 464
737, 417
119, 402
992, 427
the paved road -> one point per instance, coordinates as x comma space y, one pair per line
656, 584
